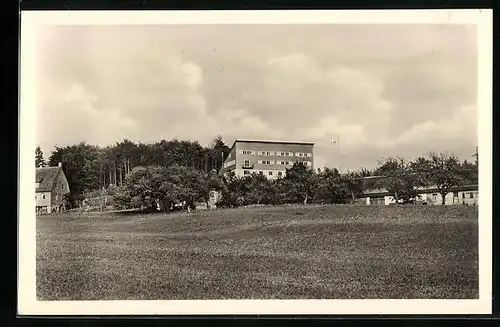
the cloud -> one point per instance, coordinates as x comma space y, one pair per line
461, 126
382, 89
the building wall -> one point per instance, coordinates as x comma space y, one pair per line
268, 158
43, 200
460, 197
61, 187
433, 198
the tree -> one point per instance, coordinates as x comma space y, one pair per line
81, 165
354, 182
260, 190
331, 187
147, 187
39, 161
445, 171
218, 153
401, 178
300, 183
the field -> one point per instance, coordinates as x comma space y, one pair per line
323, 252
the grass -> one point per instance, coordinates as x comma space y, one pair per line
324, 252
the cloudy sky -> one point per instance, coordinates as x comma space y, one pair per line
382, 90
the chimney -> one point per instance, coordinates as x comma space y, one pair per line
59, 164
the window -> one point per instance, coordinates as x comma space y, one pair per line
434, 197
269, 153
246, 152
309, 155
280, 173
43, 196
471, 195
287, 163
246, 172
246, 163
270, 173
455, 194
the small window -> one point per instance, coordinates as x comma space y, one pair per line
247, 163
43, 196
455, 194
280, 173
246, 172
288, 163
471, 195
434, 197
270, 173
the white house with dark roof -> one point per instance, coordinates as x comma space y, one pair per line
464, 194
50, 187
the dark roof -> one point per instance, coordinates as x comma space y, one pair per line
46, 176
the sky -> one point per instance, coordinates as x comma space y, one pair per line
380, 90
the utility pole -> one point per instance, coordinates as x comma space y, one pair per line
336, 141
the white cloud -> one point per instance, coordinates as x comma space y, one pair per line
461, 126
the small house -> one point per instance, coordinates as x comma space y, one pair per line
50, 187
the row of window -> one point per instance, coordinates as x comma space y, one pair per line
246, 163
276, 153
269, 173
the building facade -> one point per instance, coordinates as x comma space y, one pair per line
464, 195
270, 158
50, 187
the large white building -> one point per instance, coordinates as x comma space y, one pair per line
270, 158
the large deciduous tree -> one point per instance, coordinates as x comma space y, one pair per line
331, 187
444, 172
400, 178
300, 182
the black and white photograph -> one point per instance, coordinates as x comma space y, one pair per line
255, 163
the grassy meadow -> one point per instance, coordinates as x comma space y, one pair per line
302, 252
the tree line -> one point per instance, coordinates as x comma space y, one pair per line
89, 167
164, 173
